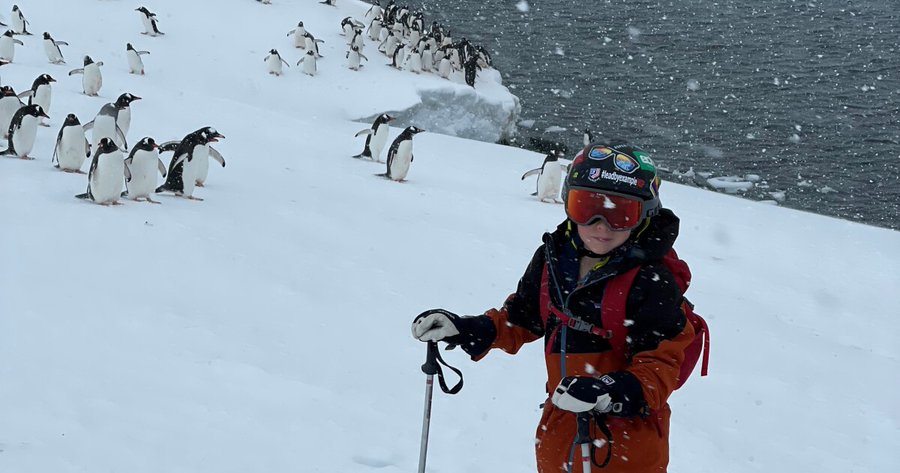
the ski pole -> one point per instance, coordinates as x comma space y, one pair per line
432, 367
584, 439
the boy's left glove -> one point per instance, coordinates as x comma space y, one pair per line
615, 393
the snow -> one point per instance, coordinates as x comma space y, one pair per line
267, 328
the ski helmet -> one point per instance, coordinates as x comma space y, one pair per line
617, 183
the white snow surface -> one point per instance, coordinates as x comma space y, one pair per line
266, 329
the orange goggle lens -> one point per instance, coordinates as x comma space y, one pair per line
585, 207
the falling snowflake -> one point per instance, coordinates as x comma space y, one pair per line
523, 6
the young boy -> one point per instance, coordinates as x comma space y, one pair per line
621, 374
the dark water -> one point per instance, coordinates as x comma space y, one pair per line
804, 94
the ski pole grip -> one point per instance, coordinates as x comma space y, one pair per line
431, 366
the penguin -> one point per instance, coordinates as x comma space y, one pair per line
312, 44
273, 62
414, 61
374, 30
8, 46
135, 64
373, 12
19, 23
299, 34
349, 26
389, 45
309, 63
142, 164
329, 3
427, 58
10, 103
51, 47
549, 177
588, 137
40, 94
264, 2
72, 147
353, 58
376, 137
182, 173
400, 155
358, 40
149, 20
92, 79
107, 175
471, 68
398, 57
110, 119
445, 68
23, 130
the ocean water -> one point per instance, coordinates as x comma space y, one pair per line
804, 95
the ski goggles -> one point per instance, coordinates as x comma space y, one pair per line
620, 212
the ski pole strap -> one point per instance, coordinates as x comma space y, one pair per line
432, 366
600, 420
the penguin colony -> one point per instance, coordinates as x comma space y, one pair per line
112, 174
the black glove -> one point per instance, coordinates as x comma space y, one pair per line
616, 393
473, 334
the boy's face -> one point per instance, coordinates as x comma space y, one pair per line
600, 239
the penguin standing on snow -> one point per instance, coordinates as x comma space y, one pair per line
135, 63
91, 79
10, 103
8, 46
312, 44
400, 155
40, 93
23, 130
299, 34
414, 61
549, 177
110, 119
309, 63
471, 67
72, 147
182, 175
376, 137
51, 47
19, 23
149, 21
107, 174
427, 58
274, 61
143, 163
354, 57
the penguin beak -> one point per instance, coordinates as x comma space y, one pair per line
44, 114
135, 97
155, 146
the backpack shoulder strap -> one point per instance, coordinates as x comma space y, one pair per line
612, 309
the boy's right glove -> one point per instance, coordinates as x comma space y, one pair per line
435, 325
473, 334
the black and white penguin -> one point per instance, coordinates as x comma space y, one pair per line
354, 58
376, 137
40, 94
374, 30
51, 47
113, 121
135, 63
357, 39
91, 79
182, 175
329, 2
19, 23
143, 164
588, 137
264, 2
8, 46
400, 154
72, 147
23, 130
427, 58
349, 25
549, 178
471, 68
299, 34
274, 61
10, 103
413, 61
309, 62
107, 174
312, 44
149, 20
373, 12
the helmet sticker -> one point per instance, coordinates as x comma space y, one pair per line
600, 153
626, 163
594, 175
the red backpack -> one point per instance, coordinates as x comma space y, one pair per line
612, 310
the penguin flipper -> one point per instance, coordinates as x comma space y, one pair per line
531, 173
127, 171
534, 193
169, 146
366, 131
87, 126
162, 167
141, 53
85, 196
121, 136
27, 93
80, 70
62, 43
19, 41
215, 154
8, 151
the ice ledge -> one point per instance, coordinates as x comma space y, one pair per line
487, 113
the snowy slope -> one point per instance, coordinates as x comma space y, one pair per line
267, 328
